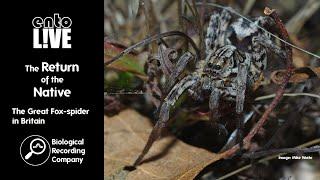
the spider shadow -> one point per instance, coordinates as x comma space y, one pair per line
163, 152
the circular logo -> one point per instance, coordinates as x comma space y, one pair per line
35, 150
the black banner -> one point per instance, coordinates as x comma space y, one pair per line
53, 70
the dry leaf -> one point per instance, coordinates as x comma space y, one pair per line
169, 158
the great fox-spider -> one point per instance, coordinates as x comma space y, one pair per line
236, 54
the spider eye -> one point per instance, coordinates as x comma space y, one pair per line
210, 65
217, 67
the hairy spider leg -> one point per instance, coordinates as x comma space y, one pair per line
214, 103
242, 77
214, 100
165, 64
179, 67
216, 31
270, 45
152, 86
169, 101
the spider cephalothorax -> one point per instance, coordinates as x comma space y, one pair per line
236, 55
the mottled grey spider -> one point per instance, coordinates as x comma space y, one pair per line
236, 54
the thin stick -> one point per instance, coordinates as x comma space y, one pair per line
151, 39
287, 94
191, 9
200, 29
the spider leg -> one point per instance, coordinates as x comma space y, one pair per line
264, 21
165, 64
240, 95
179, 67
216, 31
214, 103
169, 101
214, 100
195, 92
152, 84
241, 87
212, 32
151, 39
266, 42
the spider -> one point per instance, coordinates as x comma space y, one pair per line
235, 56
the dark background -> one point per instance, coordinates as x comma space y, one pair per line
86, 86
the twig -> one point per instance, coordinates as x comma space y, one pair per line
200, 28
151, 39
182, 12
310, 143
287, 94
136, 92
166, 6
191, 9
193, 23
151, 21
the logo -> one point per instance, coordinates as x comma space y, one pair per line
35, 150
51, 32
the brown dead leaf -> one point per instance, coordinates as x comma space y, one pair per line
169, 158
